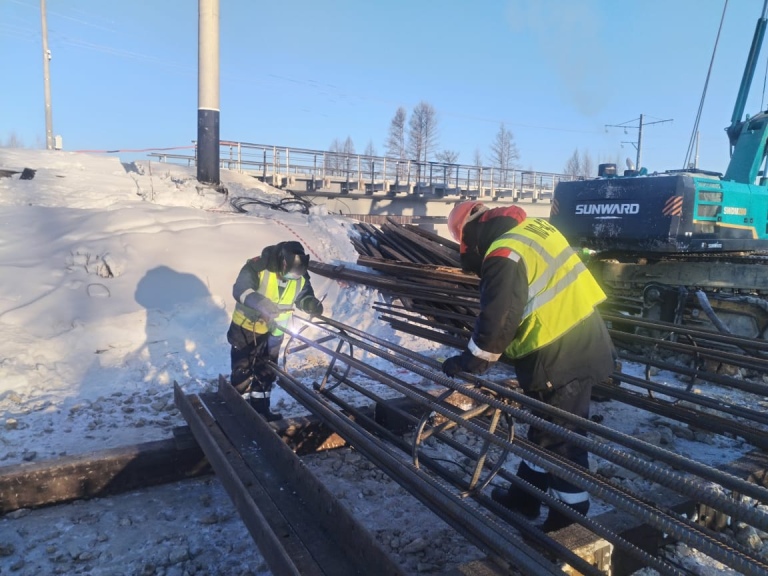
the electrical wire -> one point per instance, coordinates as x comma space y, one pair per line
239, 203
692, 141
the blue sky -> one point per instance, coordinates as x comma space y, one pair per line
302, 73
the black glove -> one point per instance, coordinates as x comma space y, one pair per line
313, 306
466, 362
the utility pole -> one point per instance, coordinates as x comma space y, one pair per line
208, 92
47, 81
639, 145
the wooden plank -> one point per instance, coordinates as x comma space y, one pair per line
439, 253
419, 272
307, 435
101, 473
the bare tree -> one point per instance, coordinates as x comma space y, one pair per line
479, 166
396, 140
13, 141
349, 151
448, 157
422, 133
573, 166
370, 152
580, 165
333, 162
504, 154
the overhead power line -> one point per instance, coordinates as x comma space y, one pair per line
641, 123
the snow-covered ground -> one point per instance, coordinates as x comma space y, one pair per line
116, 282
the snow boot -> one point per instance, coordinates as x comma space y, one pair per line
261, 405
557, 520
520, 500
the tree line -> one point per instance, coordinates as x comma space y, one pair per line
415, 138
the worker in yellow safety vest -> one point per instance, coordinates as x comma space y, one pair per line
537, 309
265, 292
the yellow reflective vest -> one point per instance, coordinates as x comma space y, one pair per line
561, 291
283, 297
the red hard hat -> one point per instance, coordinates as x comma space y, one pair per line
458, 217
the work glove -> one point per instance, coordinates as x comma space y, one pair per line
266, 309
313, 306
465, 362
263, 372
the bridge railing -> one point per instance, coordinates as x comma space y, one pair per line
316, 170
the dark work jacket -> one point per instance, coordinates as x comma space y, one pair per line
583, 353
247, 282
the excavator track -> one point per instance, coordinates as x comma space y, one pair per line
724, 292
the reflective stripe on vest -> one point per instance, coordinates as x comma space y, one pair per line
269, 287
561, 291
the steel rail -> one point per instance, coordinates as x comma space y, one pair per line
677, 528
655, 452
529, 530
532, 532
724, 381
698, 399
468, 521
737, 341
694, 418
753, 363
715, 404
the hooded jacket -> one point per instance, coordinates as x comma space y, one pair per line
583, 352
254, 297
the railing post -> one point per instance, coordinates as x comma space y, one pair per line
514, 181
274, 160
409, 174
457, 179
493, 191
480, 181
385, 182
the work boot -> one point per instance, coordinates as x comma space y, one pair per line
261, 405
557, 520
518, 500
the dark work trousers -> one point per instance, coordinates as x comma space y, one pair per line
574, 398
249, 355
